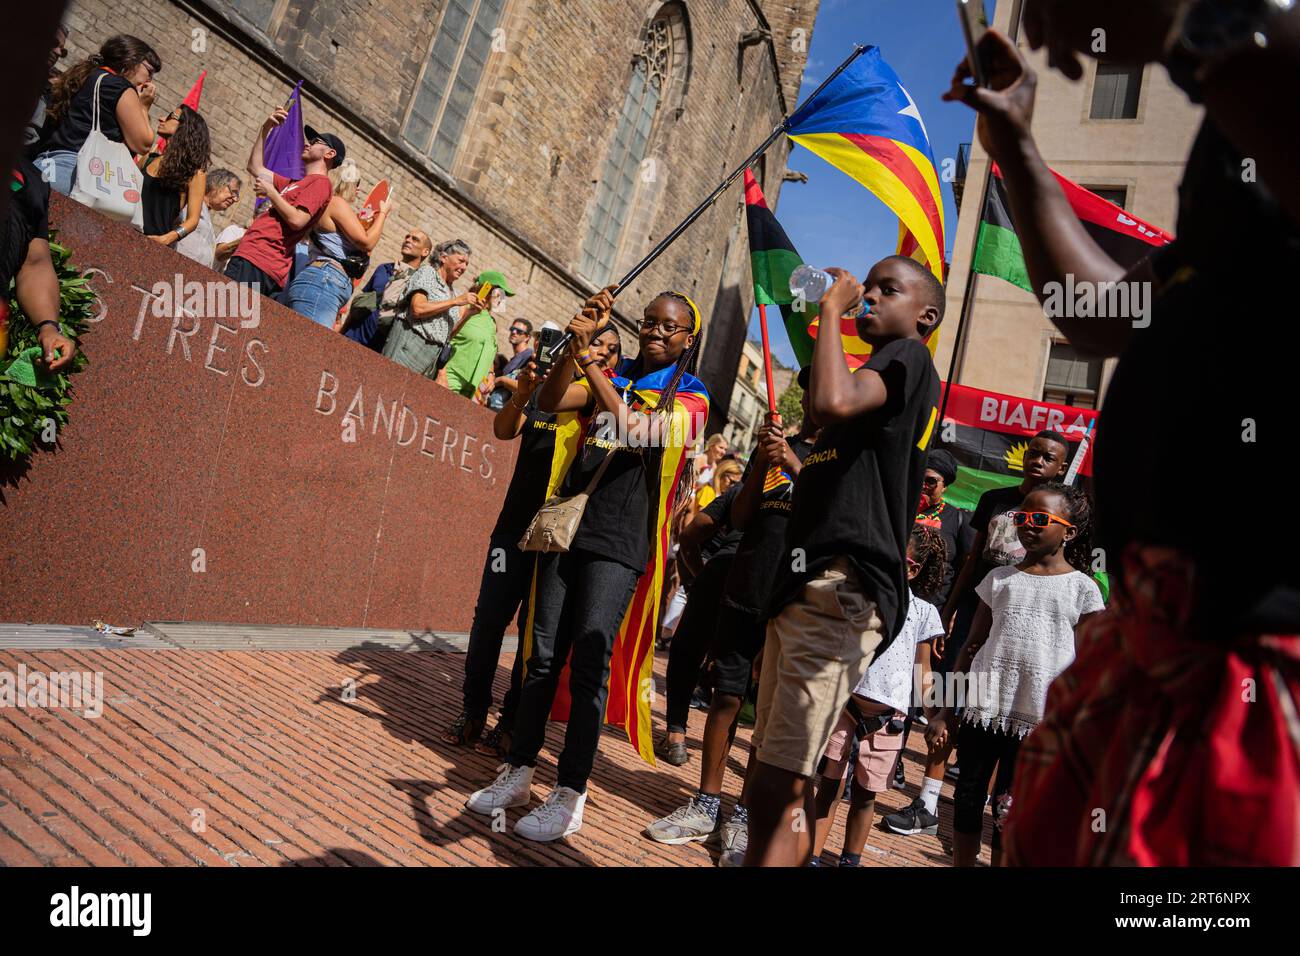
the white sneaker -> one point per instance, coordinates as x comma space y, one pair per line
684, 825
559, 816
735, 840
512, 788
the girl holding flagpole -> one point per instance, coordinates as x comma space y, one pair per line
599, 599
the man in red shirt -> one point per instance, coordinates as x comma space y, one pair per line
265, 253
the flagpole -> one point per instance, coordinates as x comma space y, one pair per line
703, 207
767, 358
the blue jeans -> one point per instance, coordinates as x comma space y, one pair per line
318, 292
59, 169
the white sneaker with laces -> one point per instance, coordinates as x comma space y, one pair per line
558, 816
512, 788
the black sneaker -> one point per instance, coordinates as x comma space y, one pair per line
912, 819
900, 777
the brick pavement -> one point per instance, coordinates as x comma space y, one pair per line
220, 758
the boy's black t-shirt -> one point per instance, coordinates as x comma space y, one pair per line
856, 495
758, 558
995, 503
533, 468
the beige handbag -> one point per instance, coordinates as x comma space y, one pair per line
556, 522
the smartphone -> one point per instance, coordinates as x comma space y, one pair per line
547, 340
974, 24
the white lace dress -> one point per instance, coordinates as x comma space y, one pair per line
1030, 643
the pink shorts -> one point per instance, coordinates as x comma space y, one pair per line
876, 755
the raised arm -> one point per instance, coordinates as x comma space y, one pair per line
256, 168
350, 226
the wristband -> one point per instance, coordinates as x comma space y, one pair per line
181, 233
47, 322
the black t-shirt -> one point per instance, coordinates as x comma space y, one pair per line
856, 495
1193, 432
958, 535
27, 219
749, 586
76, 123
534, 469
1001, 544
616, 522
726, 539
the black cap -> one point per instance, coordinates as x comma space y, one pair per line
942, 462
335, 144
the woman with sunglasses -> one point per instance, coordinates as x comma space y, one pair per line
177, 178
1022, 638
600, 599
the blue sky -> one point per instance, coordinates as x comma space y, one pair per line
832, 220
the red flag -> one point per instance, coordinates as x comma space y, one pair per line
192, 101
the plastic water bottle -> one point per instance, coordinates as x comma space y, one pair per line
809, 283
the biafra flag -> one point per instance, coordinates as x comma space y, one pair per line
988, 433
1122, 237
772, 257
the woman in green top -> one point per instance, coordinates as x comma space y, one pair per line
474, 340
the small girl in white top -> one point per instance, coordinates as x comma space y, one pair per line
1022, 638
875, 711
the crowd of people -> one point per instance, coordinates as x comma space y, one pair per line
827, 581
308, 245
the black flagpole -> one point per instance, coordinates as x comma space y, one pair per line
699, 210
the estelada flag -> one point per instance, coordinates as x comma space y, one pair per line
867, 124
631, 666
1125, 238
772, 257
192, 101
988, 433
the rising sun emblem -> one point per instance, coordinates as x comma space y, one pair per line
1015, 456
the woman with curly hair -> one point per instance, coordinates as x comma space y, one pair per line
874, 712
128, 66
1023, 636
176, 179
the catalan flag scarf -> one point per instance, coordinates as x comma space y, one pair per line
631, 668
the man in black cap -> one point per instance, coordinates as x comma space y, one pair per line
265, 253
952, 523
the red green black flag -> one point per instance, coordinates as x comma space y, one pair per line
772, 258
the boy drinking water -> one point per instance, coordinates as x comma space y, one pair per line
841, 596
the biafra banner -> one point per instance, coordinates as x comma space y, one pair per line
988, 433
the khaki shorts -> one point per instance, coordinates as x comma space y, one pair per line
817, 650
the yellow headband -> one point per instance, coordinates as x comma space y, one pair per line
695, 310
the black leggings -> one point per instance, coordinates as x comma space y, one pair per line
981, 751
691, 641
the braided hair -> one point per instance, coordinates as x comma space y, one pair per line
928, 550
1078, 509
686, 362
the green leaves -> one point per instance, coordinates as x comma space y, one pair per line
24, 410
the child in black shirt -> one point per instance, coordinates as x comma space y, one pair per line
842, 594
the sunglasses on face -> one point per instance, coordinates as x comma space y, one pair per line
518, 331
1039, 519
929, 481
666, 329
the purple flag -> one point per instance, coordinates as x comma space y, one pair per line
282, 152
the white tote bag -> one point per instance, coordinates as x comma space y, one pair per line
107, 177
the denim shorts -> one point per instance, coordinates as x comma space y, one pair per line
318, 292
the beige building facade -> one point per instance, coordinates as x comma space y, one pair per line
748, 405
1123, 133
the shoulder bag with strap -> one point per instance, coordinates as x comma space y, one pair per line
556, 522
107, 177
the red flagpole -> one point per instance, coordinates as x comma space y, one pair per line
767, 358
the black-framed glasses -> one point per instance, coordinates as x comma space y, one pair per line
666, 329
